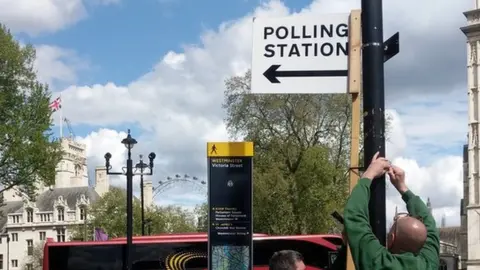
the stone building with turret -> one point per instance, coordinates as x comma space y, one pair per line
471, 201
56, 210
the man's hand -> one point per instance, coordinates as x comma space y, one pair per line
378, 167
397, 178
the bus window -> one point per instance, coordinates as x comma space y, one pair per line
106, 257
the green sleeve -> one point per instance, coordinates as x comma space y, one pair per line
367, 252
417, 208
363, 243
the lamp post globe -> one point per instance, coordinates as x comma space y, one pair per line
129, 142
107, 157
151, 158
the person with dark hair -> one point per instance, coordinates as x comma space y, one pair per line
287, 260
413, 241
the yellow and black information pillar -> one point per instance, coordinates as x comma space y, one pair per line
230, 205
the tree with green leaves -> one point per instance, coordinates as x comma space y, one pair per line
175, 219
201, 211
109, 214
302, 145
27, 152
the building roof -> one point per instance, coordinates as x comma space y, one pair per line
46, 200
9, 207
450, 235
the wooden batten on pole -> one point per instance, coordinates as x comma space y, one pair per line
355, 89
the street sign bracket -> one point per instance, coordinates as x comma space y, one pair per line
391, 47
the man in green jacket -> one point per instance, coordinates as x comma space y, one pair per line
413, 241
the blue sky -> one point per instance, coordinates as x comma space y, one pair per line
124, 41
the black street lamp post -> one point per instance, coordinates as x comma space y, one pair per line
129, 143
142, 166
374, 107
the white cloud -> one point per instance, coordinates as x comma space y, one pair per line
434, 123
401, 13
217, 134
396, 138
57, 66
440, 180
36, 17
183, 193
98, 144
178, 103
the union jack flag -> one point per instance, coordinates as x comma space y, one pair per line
56, 104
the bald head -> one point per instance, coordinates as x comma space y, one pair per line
407, 234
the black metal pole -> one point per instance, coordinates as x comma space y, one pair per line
374, 107
129, 210
142, 202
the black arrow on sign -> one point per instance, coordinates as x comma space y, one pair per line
272, 73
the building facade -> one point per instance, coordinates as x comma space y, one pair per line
472, 201
56, 211
26, 224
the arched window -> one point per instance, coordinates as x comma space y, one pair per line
60, 214
29, 215
77, 169
83, 212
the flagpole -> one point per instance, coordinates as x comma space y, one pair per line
61, 118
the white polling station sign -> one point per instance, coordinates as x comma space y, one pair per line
300, 54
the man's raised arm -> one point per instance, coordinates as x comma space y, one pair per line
364, 245
417, 208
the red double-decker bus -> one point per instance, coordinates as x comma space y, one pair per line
179, 252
